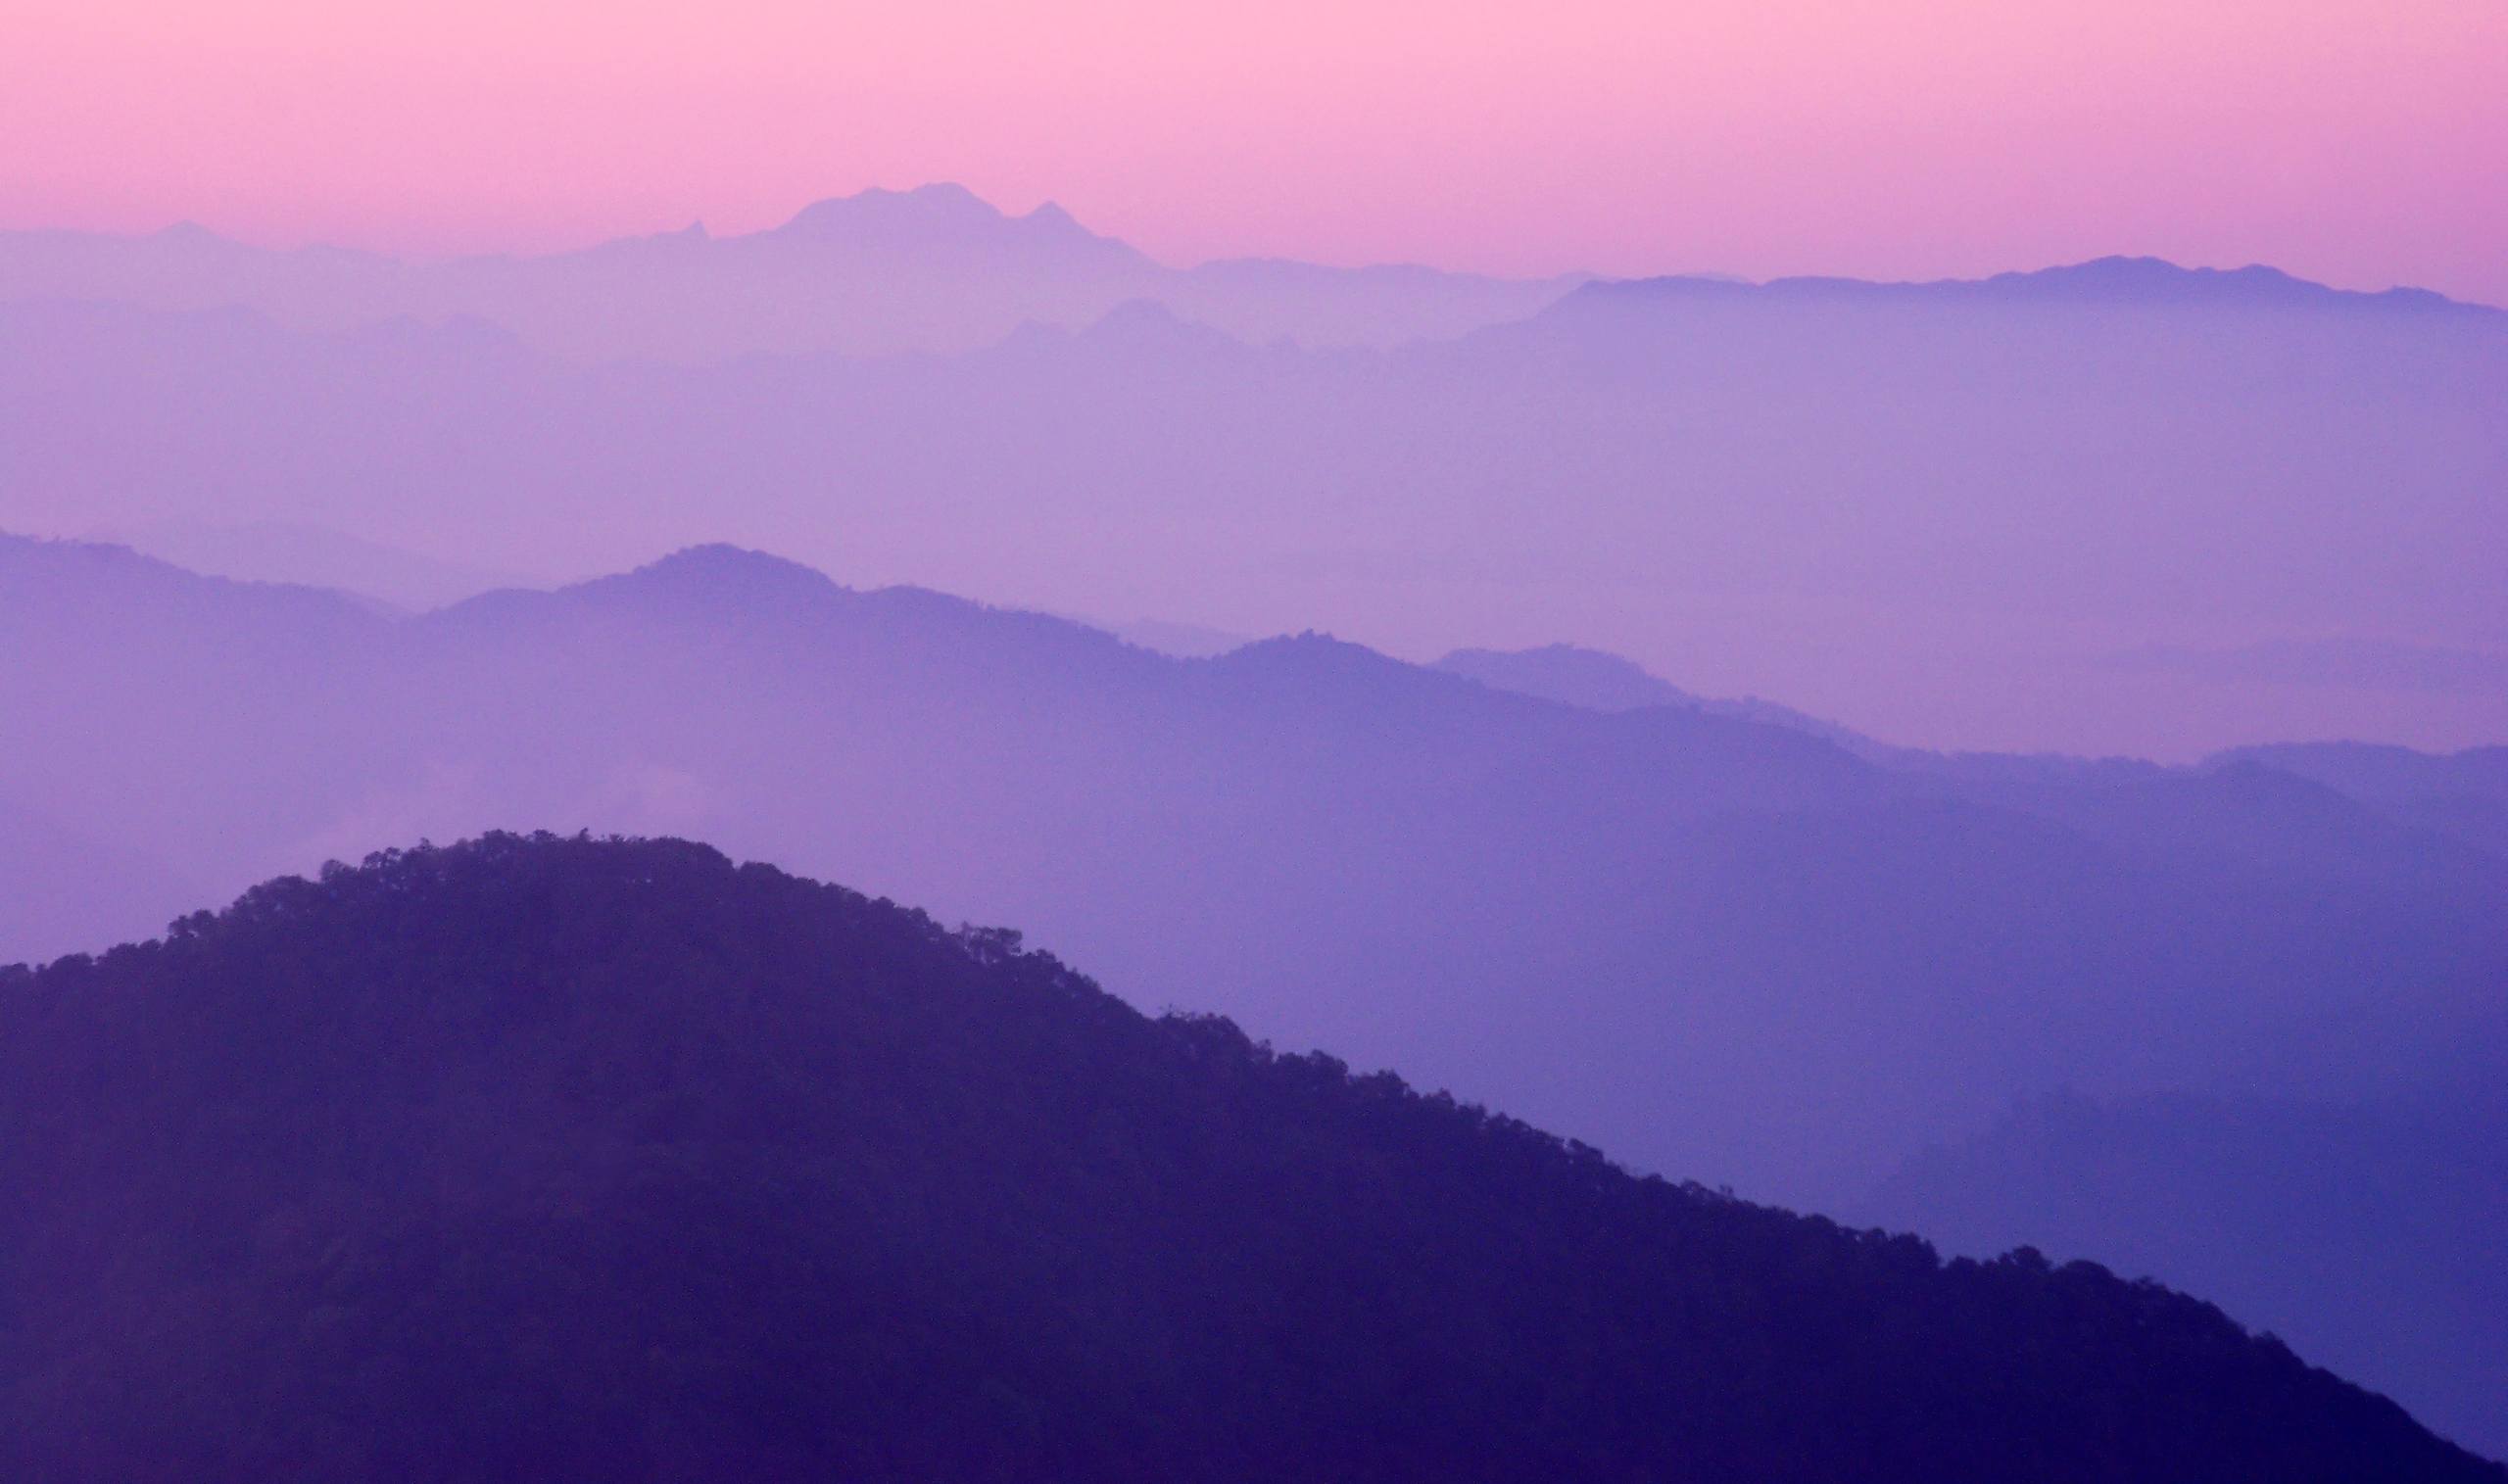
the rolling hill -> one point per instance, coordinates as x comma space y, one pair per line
603, 1160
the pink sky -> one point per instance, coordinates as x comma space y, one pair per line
2363, 142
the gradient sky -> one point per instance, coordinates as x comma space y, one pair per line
2363, 142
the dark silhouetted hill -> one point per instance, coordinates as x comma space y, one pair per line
565, 1158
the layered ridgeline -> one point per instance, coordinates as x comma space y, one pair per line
933, 269
2123, 507
568, 1159
1716, 947
1716, 943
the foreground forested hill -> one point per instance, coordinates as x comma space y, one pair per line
572, 1159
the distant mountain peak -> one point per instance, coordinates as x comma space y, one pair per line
1321, 664
1309, 643
944, 219
2113, 279
943, 203
2142, 271
714, 560
718, 569
2118, 276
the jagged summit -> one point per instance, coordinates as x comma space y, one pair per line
941, 204
930, 217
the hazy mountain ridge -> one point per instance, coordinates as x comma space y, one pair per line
763, 681
2110, 280
2462, 794
311, 556
1958, 520
1600, 681
566, 1159
933, 269
1720, 947
683, 802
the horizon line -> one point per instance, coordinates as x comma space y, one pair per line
1050, 211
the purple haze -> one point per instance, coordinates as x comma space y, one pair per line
2116, 508
1525, 841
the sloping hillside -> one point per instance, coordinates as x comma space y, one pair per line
568, 1159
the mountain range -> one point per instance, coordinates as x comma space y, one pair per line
1719, 945
575, 1159
933, 269
2115, 506
2118, 509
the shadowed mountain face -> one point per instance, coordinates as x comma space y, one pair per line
2163, 518
570, 1160
929, 270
